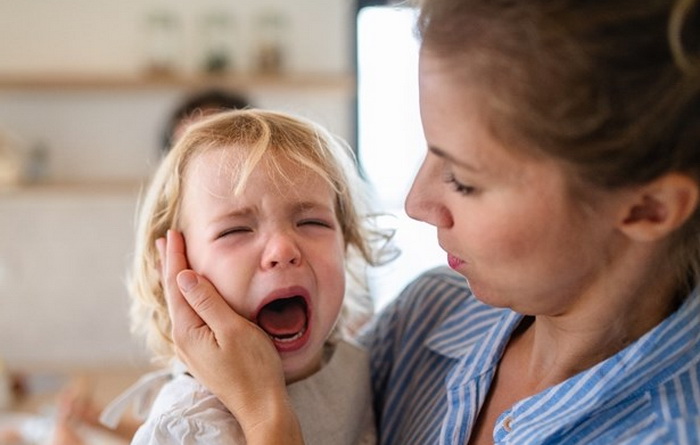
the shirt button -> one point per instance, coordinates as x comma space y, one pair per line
507, 424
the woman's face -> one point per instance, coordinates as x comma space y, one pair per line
506, 220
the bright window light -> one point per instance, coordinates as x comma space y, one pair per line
391, 145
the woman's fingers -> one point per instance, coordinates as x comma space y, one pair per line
213, 312
233, 357
173, 260
196, 309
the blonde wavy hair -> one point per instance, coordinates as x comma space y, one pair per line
265, 136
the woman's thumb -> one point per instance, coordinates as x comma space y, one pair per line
204, 300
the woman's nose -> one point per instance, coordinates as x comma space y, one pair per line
425, 201
281, 250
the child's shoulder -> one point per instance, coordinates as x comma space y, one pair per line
185, 408
180, 393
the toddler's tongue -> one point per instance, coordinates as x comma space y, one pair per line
283, 318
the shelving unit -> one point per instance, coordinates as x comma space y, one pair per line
76, 189
100, 88
77, 82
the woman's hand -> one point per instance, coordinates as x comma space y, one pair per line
230, 355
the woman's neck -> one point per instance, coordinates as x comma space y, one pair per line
559, 347
562, 345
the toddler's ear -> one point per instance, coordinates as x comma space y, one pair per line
658, 208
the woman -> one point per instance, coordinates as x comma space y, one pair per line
562, 175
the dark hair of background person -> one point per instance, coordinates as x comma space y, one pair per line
202, 104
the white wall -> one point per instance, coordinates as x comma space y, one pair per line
63, 257
108, 35
63, 254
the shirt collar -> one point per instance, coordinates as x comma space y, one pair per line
659, 355
665, 350
476, 334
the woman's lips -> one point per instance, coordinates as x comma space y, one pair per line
453, 261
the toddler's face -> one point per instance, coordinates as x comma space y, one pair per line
275, 252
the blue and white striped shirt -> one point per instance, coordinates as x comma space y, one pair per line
434, 352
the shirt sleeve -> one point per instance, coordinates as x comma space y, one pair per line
211, 427
186, 413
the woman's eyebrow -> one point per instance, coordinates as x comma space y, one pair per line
444, 155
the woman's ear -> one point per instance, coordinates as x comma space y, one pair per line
656, 209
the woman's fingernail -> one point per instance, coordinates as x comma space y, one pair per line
187, 280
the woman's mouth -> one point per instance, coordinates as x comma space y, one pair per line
286, 322
453, 261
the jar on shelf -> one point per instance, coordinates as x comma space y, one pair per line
163, 36
269, 52
217, 42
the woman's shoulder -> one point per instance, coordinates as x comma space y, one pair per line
439, 290
439, 282
676, 403
437, 299
442, 274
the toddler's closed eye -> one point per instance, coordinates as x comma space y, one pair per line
234, 231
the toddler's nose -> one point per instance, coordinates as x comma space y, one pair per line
281, 250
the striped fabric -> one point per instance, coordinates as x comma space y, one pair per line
435, 348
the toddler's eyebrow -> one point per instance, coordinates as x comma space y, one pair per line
236, 213
308, 206
298, 208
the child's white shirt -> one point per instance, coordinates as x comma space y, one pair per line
334, 406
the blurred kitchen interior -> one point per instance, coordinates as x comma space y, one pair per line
86, 87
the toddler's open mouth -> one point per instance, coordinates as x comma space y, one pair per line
285, 320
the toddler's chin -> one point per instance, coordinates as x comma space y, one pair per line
295, 370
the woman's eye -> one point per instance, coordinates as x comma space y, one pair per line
458, 187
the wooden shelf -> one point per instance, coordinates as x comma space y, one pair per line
126, 82
63, 188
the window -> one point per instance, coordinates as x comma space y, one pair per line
390, 138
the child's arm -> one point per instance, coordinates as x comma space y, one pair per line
220, 347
